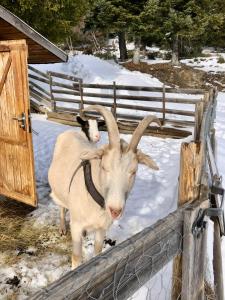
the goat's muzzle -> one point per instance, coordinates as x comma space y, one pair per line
115, 213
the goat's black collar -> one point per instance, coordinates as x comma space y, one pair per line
89, 183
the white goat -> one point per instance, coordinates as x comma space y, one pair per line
114, 167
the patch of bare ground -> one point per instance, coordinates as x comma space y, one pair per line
18, 236
181, 76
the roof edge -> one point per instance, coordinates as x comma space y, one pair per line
31, 33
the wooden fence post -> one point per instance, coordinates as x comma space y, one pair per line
217, 261
194, 255
217, 255
164, 104
191, 159
113, 109
81, 106
53, 104
199, 110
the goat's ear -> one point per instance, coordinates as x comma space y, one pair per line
80, 120
91, 154
146, 160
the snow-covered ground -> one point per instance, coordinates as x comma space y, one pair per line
220, 151
207, 64
154, 194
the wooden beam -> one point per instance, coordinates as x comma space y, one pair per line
5, 73
194, 255
191, 159
217, 261
121, 270
66, 116
199, 109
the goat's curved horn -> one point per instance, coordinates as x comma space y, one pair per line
140, 130
113, 131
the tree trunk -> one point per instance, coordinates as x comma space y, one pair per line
122, 46
136, 55
175, 51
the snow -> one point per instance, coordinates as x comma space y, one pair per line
95, 70
154, 194
220, 151
207, 64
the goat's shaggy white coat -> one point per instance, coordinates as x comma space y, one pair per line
114, 168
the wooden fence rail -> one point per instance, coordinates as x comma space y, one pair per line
122, 269
68, 94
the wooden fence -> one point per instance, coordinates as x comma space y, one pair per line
66, 95
120, 271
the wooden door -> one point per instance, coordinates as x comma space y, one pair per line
17, 178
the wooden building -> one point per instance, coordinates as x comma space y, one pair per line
19, 45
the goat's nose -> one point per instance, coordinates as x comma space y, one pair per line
115, 213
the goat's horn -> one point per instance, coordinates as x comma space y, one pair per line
140, 130
113, 131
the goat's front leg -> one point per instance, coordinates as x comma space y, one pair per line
76, 233
99, 239
62, 228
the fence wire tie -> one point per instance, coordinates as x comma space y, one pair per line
199, 224
217, 212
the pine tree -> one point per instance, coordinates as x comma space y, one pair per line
116, 16
52, 18
173, 21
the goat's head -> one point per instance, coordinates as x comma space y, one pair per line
90, 127
119, 161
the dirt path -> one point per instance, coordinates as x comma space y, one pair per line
180, 76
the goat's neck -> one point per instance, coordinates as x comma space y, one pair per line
96, 175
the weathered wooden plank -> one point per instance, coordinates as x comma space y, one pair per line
191, 160
163, 104
40, 94
4, 48
64, 76
5, 73
53, 103
139, 98
64, 85
124, 126
67, 100
199, 109
113, 109
217, 261
65, 92
41, 100
38, 78
38, 107
36, 86
38, 72
81, 91
145, 88
122, 87
141, 257
194, 255
131, 107
66, 109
